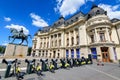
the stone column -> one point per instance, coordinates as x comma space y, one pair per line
96, 36
69, 53
74, 35
49, 42
107, 35
75, 55
69, 38
42, 43
57, 41
63, 53
111, 53
63, 39
79, 29
38, 43
48, 55
99, 53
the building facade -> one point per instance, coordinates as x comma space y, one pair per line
82, 34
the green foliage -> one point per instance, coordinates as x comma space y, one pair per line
29, 51
2, 49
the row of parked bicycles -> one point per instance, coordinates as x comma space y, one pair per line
41, 65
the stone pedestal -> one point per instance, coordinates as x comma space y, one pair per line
16, 50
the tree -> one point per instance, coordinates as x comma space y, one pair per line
2, 49
29, 51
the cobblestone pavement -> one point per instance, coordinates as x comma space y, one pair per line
110, 71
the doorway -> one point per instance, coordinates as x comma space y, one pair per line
94, 53
105, 54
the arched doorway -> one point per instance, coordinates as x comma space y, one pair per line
78, 53
105, 54
94, 53
67, 53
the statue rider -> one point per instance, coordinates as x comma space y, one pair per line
21, 32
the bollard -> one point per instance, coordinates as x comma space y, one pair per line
63, 63
79, 61
55, 63
69, 61
83, 61
90, 58
30, 64
9, 64
44, 64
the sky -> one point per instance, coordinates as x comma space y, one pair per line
31, 15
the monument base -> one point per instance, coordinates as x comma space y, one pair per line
16, 50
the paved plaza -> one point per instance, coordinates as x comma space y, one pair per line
110, 71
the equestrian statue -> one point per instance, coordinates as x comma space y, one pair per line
18, 35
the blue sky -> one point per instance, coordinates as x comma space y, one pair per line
34, 14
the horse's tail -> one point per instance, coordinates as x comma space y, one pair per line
30, 36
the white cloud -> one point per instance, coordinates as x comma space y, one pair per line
68, 7
112, 11
18, 27
5, 43
7, 19
38, 21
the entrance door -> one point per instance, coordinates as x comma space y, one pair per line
67, 53
78, 53
105, 54
94, 53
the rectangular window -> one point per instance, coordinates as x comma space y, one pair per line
59, 42
77, 40
102, 37
92, 38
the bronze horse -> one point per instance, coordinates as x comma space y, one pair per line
17, 35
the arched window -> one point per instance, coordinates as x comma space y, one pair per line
43, 54
58, 55
46, 53
50, 55
102, 37
92, 38
77, 38
59, 42
44, 44
72, 40
67, 42
55, 42
47, 44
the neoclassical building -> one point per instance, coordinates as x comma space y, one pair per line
82, 34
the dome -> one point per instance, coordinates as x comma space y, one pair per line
95, 10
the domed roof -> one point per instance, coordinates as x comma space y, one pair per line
95, 10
